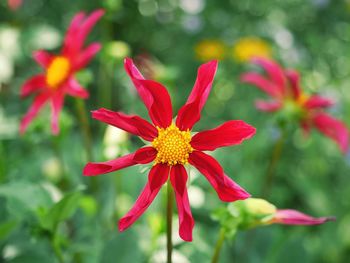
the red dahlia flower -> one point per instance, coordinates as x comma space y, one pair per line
14, 4
58, 78
283, 86
173, 146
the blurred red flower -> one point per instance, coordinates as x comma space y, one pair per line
283, 86
58, 77
14, 4
173, 146
294, 217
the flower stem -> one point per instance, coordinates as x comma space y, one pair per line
218, 246
56, 249
276, 155
86, 131
169, 219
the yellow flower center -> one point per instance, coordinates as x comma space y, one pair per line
302, 99
57, 72
173, 145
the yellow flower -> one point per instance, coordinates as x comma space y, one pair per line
249, 47
210, 49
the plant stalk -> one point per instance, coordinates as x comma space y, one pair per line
218, 246
169, 219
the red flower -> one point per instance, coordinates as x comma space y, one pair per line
294, 217
58, 78
14, 4
172, 145
283, 87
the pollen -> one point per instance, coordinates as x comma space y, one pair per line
302, 99
173, 145
57, 72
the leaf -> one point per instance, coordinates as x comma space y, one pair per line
61, 211
6, 228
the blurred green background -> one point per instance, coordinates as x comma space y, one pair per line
166, 39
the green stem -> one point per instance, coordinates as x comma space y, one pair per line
270, 174
85, 127
86, 131
169, 219
56, 249
218, 246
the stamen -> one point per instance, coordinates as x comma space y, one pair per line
173, 145
57, 72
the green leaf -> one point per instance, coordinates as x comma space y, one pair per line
6, 228
61, 211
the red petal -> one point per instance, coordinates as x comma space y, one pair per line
261, 82
274, 71
73, 88
318, 102
33, 84
293, 217
79, 31
133, 124
268, 106
229, 133
332, 128
86, 55
178, 178
189, 114
153, 94
34, 109
294, 82
157, 177
226, 188
56, 105
141, 156
43, 58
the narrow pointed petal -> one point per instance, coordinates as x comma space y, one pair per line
268, 106
226, 188
261, 82
72, 32
56, 105
73, 88
33, 111
153, 94
33, 84
178, 179
43, 58
274, 71
156, 179
86, 55
332, 128
316, 101
293, 217
130, 123
230, 133
190, 113
294, 82
141, 156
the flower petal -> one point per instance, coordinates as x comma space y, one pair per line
178, 179
268, 106
230, 133
56, 105
133, 124
226, 188
43, 58
86, 55
34, 109
274, 71
79, 30
261, 82
157, 177
33, 84
141, 156
332, 128
294, 82
189, 114
293, 217
153, 94
316, 101
73, 88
